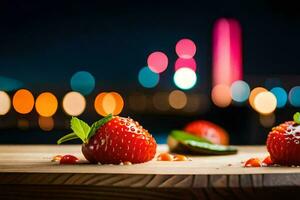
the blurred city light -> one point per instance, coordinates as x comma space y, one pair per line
9, 84
280, 95
160, 101
265, 103
148, 78
5, 103
23, 124
185, 63
254, 93
221, 95
46, 104
177, 99
46, 123
294, 96
227, 52
185, 48
83, 82
137, 101
157, 62
23, 101
119, 103
74, 103
185, 78
98, 104
267, 121
240, 91
193, 103
109, 103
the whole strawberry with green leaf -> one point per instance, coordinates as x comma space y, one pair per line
283, 142
113, 140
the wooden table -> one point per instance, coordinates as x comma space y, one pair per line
26, 172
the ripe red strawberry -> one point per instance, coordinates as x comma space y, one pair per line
114, 140
209, 131
283, 144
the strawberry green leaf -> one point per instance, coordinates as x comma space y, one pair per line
297, 117
96, 125
68, 137
80, 128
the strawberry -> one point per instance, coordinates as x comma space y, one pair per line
209, 131
283, 143
113, 140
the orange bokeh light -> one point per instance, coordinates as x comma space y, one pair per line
23, 101
106, 103
254, 93
221, 95
46, 123
98, 104
46, 104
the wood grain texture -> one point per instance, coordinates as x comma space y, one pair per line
31, 165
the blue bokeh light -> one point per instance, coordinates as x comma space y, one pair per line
9, 84
280, 95
240, 91
83, 82
294, 96
147, 78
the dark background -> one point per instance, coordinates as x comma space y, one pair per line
43, 43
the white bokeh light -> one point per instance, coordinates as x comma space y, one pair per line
74, 103
185, 78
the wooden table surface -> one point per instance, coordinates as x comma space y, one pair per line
30, 166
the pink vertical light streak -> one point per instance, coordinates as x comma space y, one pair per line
227, 52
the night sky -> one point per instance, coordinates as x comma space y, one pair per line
47, 42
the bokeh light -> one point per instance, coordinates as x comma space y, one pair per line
227, 52
187, 63
46, 123
23, 124
157, 62
137, 101
265, 102
98, 104
113, 103
177, 99
185, 48
4, 103
83, 82
280, 95
240, 91
221, 95
185, 78
267, 121
46, 104
193, 103
74, 103
9, 84
148, 78
160, 101
294, 96
23, 101
254, 93
109, 103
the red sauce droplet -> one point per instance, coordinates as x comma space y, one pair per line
165, 157
267, 161
180, 158
68, 159
253, 162
56, 158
